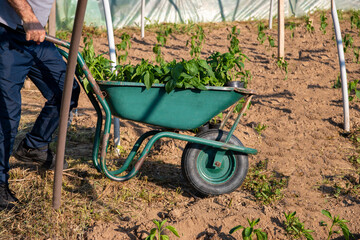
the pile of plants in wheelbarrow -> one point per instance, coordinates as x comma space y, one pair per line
216, 70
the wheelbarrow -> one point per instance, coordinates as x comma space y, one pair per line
214, 162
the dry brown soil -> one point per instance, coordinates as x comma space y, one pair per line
304, 139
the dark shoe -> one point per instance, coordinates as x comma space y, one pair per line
43, 156
7, 198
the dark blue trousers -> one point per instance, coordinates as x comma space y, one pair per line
46, 68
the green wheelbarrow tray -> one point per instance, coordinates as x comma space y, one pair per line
221, 155
182, 109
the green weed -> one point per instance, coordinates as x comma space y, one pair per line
265, 186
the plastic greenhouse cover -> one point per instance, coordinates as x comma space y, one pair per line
127, 12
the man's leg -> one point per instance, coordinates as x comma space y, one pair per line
15, 62
48, 74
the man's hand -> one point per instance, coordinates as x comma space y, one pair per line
34, 30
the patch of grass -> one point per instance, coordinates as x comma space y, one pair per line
283, 65
266, 187
295, 228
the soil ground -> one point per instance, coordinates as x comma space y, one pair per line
304, 140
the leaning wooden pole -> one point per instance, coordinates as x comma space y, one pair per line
52, 20
281, 29
66, 98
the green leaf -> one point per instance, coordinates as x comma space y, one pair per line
164, 237
326, 213
170, 85
176, 71
156, 223
345, 231
247, 232
147, 81
234, 229
260, 234
173, 230
357, 93
162, 223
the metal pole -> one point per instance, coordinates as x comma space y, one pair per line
65, 101
52, 20
142, 18
340, 48
270, 14
281, 29
112, 53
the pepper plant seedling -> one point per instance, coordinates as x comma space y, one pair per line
156, 233
249, 232
336, 222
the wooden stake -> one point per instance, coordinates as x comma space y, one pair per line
52, 20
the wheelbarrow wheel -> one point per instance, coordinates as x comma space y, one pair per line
207, 178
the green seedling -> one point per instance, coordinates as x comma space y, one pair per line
340, 14
261, 34
283, 65
196, 42
348, 41
337, 82
356, 51
338, 223
295, 228
234, 41
161, 37
291, 26
323, 23
260, 128
99, 66
123, 47
156, 233
309, 24
250, 232
352, 89
271, 41
355, 19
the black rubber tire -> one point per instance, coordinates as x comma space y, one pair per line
237, 164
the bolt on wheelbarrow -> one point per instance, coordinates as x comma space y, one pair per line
214, 162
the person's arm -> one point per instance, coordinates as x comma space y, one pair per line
33, 28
